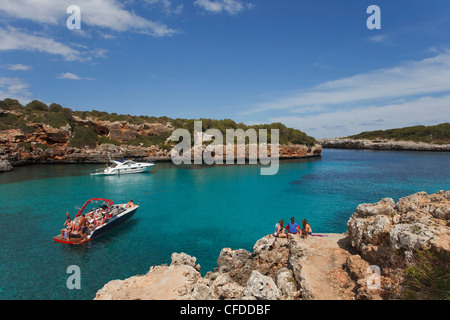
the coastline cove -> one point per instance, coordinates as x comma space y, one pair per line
194, 209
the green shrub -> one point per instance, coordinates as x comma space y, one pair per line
54, 107
83, 137
37, 105
12, 121
10, 104
148, 141
105, 140
26, 146
55, 119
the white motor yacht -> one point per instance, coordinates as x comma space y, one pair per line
124, 166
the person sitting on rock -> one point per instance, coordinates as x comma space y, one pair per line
279, 230
292, 227
306, 230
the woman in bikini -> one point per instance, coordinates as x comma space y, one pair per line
279, 230
306, 230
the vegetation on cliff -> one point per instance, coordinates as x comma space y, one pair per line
17, 116
439, 134
429, 277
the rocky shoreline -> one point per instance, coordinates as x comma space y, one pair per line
12, 155
381, 144
385, 234
47, 145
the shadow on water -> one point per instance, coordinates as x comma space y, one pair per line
45, 171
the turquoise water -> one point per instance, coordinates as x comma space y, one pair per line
193, 209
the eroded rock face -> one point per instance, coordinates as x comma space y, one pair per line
262, 287
47, 144
265, 274
418, 221
238, 264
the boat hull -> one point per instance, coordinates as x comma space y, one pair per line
113, 223
118, 171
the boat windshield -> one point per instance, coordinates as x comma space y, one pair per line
95, 205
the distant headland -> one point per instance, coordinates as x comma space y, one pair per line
416, 138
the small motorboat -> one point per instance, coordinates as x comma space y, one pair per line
103, 217
123, 166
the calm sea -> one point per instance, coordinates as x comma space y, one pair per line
193, 209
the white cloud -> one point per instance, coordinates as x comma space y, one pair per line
378, 38
427, 76
217, 6
72, 76
344, 122
108, 14
14, 88
166, 6
413, 92
15, 39
18, 67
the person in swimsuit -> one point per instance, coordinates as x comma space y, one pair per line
68, 226
279, 230
130, 204
83, 226
306, 230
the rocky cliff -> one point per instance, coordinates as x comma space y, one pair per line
47, 144
381, 144
384, 236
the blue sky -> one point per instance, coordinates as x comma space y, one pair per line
312, 65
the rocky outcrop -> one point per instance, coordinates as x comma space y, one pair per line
239, 275
367, 262
5, 166
46, 144
389, 234
122, 131
379, 231
381, 144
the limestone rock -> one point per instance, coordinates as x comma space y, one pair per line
237, 263
184, 259
224, 288
5, 165
287, 284
270, 255
262, 287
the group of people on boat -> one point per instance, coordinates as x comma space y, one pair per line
292, 228
81, 226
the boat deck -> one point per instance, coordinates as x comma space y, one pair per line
60, 238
